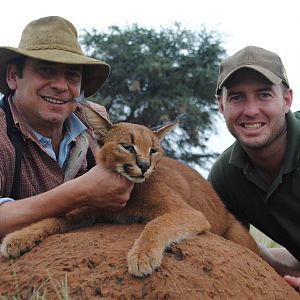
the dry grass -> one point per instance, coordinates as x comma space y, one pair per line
40, 293
261, 238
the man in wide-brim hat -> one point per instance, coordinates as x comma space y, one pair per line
41, 81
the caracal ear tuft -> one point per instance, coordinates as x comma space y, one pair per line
98, 123
163, 130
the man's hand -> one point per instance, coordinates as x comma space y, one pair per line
293, 281
284, 263
103, 188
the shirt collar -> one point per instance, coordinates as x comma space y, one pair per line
292, 158
74, 127
238, 156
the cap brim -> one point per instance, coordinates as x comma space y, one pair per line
273, 78
94, 75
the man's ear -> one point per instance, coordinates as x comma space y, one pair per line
11, 76
288, 98
220, 103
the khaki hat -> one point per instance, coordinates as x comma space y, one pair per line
55, 39
263, 61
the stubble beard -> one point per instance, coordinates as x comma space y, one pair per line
276, 134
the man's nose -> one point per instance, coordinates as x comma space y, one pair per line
59, 82
251, 106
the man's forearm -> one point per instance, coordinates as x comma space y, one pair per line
98, 188
17, 214
281, 260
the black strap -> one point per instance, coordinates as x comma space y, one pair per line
90, 159
15, 137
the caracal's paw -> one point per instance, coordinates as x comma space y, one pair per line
142, 262
17, 243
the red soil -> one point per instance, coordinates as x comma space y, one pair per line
94, 261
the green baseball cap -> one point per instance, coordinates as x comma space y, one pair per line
265, 62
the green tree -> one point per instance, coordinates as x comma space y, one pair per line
158, 74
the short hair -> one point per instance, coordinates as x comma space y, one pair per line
284, 88
19, 62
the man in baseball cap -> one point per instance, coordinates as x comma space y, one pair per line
46, 151
258, 176
265, 62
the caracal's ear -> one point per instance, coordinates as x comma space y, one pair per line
99, 124
162, 131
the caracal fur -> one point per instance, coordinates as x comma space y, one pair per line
172, 199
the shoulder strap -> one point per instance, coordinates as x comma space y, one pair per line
90, 159
15, 137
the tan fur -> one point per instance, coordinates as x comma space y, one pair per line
174, 202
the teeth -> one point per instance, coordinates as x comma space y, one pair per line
133, 179
136, 179
253, 126
55, 101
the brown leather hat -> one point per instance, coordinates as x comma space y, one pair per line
263, 61
55, 39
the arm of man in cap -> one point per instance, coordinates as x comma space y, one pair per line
98, 187
284, 263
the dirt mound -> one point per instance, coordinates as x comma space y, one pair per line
93, 260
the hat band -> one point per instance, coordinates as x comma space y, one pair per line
53, 47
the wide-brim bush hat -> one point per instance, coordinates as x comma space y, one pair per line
55, 39
267, 63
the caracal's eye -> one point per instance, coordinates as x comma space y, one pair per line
128, 148
153, 151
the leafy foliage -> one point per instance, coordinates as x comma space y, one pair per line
157, 75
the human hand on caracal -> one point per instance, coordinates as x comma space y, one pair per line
293, 281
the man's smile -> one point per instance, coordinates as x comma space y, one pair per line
252, 125
54, 100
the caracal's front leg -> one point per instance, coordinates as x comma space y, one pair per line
21, 241
146, 254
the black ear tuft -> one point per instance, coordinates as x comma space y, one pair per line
162, 130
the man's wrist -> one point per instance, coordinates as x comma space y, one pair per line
74, 194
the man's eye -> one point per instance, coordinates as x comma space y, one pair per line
236, 98
264, 96
129, 148
46, 71
74, 76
